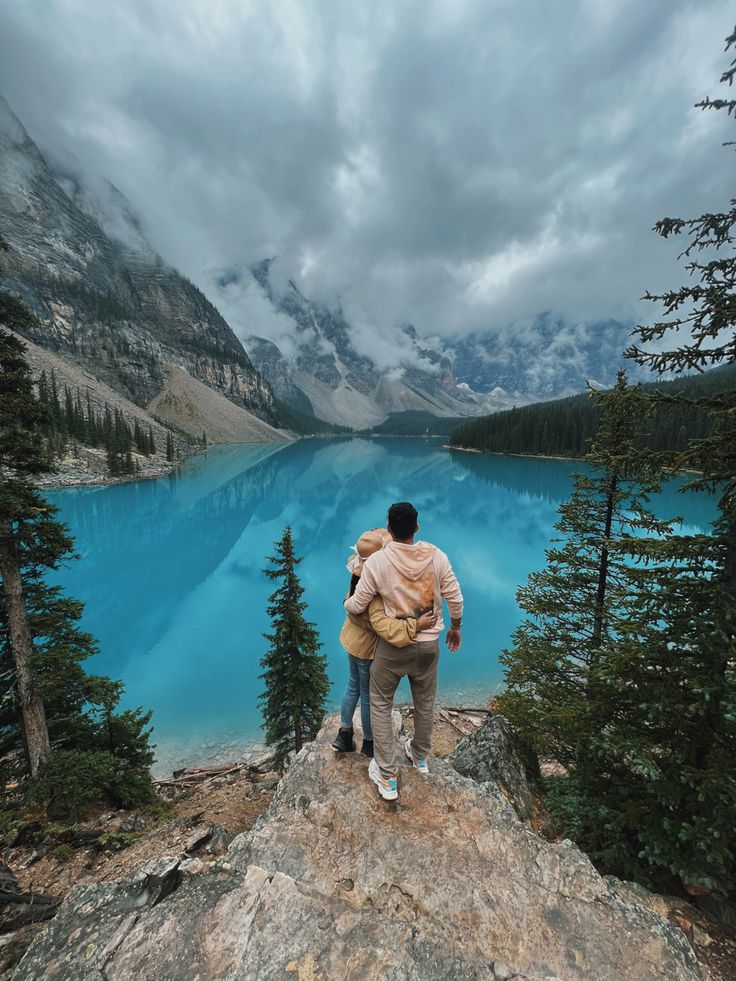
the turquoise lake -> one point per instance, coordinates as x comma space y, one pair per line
170, 570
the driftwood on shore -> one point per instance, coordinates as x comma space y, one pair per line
19, 907
465, 711
185, 778
462, 719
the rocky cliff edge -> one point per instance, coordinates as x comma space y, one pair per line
334, 883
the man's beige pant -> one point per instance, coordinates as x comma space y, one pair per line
390, 664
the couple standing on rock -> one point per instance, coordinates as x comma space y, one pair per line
392, 631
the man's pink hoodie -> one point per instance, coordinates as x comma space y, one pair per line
410, 579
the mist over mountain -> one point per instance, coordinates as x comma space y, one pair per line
79, 259
315, 358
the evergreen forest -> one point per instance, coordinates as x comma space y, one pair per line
566, 427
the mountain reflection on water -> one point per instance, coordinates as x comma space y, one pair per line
170, 570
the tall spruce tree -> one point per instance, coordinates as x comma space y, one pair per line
294, 672
24, 520
55, 720
684, 671
578, 603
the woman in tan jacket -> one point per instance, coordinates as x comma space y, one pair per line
359, 636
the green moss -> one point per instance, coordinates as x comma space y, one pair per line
116, 841
63, 853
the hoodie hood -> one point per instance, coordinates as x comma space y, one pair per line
410, 561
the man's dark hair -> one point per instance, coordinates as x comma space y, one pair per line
402, 520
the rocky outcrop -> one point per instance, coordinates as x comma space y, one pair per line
334, 883
494, 754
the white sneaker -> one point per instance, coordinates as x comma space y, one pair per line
388, 789
418, 762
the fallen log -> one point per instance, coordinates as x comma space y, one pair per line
468, 711
19, 908
446, 718
186, 778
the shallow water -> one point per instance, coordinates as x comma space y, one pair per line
170, 570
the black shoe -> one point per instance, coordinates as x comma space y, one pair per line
367, 748
344, 742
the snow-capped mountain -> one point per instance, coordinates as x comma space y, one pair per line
318, 367
549, 358
323, 372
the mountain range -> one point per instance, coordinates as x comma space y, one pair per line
480, 373
105, 299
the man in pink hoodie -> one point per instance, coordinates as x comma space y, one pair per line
411, 578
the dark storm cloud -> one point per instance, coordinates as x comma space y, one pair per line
457, 164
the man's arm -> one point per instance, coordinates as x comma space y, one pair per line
450, 591
364, 592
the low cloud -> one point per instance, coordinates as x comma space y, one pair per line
455, 164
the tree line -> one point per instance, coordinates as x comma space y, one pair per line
566, 427
70, 418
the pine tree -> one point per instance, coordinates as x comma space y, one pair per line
169, 447
49, 708
579, 602
55, 403
682, 660
93, 436
294, 672
23, 515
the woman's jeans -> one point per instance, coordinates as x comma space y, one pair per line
358, 687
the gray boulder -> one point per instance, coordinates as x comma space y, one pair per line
495, 754
334, 883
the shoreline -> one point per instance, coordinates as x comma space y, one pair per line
543, 456
100, 480
521, 456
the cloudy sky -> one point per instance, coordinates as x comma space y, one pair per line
458, 164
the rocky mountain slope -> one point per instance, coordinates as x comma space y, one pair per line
190, 405
471, 375
333, 883
329, 376
80, 261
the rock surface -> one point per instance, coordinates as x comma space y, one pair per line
191, 405
334, 883
495, 754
